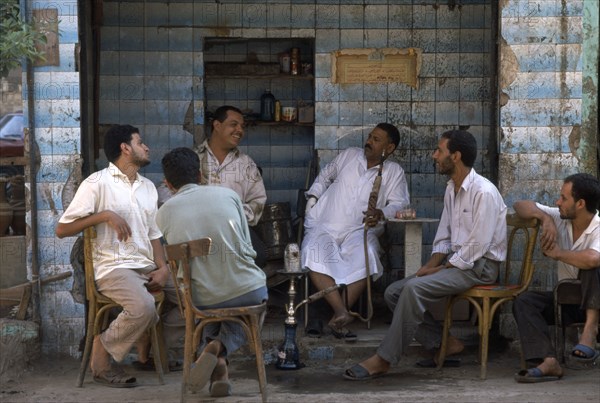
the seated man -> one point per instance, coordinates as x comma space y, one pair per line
570, 234
334, 225
130, 262
468, 247
227, 277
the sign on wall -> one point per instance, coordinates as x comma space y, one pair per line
387, 65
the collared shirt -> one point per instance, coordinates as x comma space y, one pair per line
237, 172
343, 188
589, 239
473, 223
110, 189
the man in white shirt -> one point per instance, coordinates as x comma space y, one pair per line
333, 245
469, 245
129, 260
570, 234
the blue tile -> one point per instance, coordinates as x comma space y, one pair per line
326, 91
279, 15
446, 113
376, 16
109, 63
426, 90
351, 92
108, 111
375, 92
303, 16
399, 113
400, 38
328, 16
261, 155
110, 14
425, 39
131, 38
350, 136
450, 17
110, 38
470, 113
156, 14
448, 89
400, 16
326, 138
177, 111
230, 15
181, 13
254, 16
156, 39
130, 63
133, 113
376, 38
327, 113
424, 16
180, 39
472, 40
447, 64
327, 40
423, 113
68, 31
352, 16
131, 14
351, 38
322, 65
448, 40
473, 16
132, 88
303, 136
206, 15
181, 63
157, 112
302, 155
374, 113
472, 65
155, 87
472, 89
180, 88
351, 113
281, 156
156, 63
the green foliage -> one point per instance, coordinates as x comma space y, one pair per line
17, 38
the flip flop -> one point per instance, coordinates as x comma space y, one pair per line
202, 370
429, 363
345, 334
534, 375
588, 354
360, 373
220, 388
114, 378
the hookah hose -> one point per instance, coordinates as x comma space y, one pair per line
372, 204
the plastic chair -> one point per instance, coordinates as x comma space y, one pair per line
248, 317
487, 298
99, 308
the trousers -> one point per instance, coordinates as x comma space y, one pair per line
409, 300
534, 313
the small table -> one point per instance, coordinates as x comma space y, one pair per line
413, 242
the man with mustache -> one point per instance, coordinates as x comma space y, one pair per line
129, 260
570, 234
468, 247
336, 213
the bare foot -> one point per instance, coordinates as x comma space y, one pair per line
375, 365
588, 339
551, 367
341, 320
100, 359
142, 345
454, 346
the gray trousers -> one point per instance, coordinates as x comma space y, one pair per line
409, 300
534, 312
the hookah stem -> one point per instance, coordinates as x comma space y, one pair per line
319, 294
372, 204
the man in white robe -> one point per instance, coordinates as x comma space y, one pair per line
337, 212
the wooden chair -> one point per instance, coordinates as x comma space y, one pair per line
99, 308
248, 317
487, 298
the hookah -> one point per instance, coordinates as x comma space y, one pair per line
288, 354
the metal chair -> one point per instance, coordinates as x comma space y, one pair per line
99, 308
487, 298
248, 317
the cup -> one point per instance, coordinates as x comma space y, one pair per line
408, 213
288, 113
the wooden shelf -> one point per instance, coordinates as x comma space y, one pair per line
14, 161
260, 77
280, 123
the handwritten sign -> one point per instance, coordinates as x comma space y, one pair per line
377, 66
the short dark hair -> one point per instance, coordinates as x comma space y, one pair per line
586, 187
221, 112
114, 137
391, 131
181, 166
463, 141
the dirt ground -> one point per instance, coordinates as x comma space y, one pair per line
319, 381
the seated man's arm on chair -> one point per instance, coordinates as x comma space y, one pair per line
158, 278
116, 222
548, 230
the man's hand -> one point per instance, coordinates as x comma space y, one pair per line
552, 252
157, 279
426, 270
117, 223
548, 234
372, 217
312, 200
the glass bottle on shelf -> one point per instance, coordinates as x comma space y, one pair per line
267, 106
295, 62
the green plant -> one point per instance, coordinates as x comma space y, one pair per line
18, 38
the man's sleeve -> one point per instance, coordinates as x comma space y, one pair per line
256, 195
327, 175
84, 202
398, 196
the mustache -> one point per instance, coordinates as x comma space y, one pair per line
368, 146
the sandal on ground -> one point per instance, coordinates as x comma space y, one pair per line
115, 378
220, 388
582, 352
360, 373
344, 334
534, 375
202, 370
314, 328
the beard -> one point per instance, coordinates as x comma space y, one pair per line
567, 215
140, 161
445, 166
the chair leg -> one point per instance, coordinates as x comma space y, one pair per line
157, 353
85, 359
484, 337
445, 333
188, 354
260, 363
